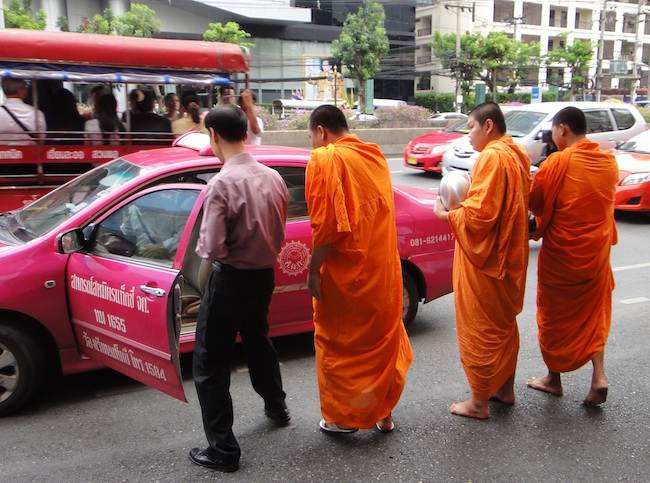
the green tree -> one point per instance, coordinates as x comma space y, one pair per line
231, 33
527, 60
139, 21
361, 45
62, 23
99, 24
19, 15
576, 57
467, 66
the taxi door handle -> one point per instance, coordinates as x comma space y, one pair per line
158, 292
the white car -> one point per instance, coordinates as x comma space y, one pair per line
607, 124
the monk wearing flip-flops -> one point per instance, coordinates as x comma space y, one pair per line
572, 198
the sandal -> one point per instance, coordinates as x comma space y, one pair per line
335, 428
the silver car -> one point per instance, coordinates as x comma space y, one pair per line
608, 124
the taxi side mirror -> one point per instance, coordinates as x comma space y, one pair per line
71, 241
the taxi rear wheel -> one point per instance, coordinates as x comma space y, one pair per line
22, 369
411, 299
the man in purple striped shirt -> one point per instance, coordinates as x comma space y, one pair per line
244, 215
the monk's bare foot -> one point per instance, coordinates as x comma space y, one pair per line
470, 409
546, 385
508, 399
596, 396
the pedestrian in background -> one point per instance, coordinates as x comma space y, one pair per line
490, 262
362, 350
243, 228
573, 200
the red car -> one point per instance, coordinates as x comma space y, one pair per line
102, 271
425, 152
633, 188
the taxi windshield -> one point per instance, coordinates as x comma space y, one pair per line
54, 208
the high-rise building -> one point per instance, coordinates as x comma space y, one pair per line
622, 28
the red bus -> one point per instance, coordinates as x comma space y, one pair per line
119, 63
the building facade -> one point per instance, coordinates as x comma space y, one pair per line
290, 36
621, 28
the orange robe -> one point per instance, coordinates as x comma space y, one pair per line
490, 262
362, 350
573, 199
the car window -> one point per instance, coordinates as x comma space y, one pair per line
520, 123
54, 208
294, 177
149, 227
598, 120
624, 119
459, 126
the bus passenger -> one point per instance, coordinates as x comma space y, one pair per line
95, 95
106, 127
146, 121
190, 119
172, 106
67, 126
20, 123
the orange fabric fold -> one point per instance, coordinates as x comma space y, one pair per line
362, 349
574, 276
490, 262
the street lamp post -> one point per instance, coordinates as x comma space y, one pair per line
599, 56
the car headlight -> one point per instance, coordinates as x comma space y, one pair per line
636, 178
440, 148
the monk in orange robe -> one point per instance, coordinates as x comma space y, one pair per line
572, 199
490, 262
362, 349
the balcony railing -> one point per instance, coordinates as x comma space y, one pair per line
424, 32
423, 59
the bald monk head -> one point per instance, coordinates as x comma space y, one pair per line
569, 126
327, 123
486, 123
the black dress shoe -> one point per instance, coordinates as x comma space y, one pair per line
199, 457
281, 417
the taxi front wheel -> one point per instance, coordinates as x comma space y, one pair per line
411, 299
22, 369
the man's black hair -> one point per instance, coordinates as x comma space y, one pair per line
489, 110
228, 121
329, 117
573, 118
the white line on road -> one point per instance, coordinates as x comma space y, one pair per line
636, 300
630, 267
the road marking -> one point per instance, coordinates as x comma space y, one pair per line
631, 267
636, 300
401, 171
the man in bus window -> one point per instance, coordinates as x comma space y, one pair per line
20, 123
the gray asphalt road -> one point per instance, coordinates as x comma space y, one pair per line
102, 427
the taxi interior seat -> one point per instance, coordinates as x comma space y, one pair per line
195, 273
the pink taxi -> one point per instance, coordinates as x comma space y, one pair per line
102, 271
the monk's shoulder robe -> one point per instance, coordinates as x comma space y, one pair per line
574, 197
362, 350
490, 261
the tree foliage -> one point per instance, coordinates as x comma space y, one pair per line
19, 15
231, 33
577, 58
99, 24
139, 21
361, 45
495, 59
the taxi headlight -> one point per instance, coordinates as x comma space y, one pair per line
636, 178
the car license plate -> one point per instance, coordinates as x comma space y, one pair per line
412, 160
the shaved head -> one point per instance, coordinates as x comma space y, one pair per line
328, 117
489, 110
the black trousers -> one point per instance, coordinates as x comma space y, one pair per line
234, 301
